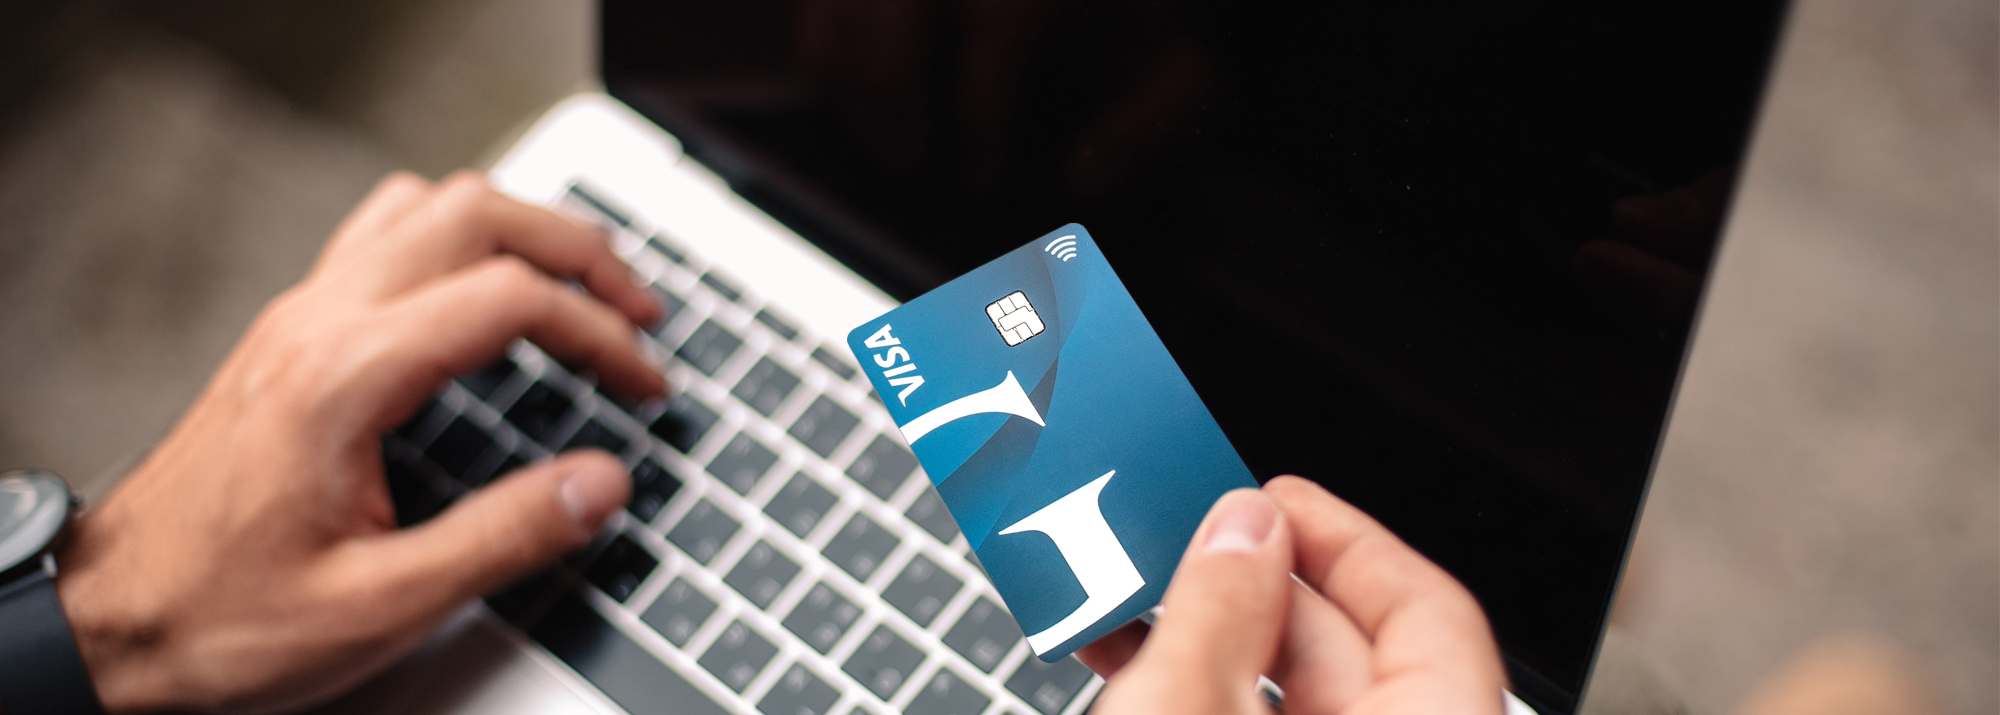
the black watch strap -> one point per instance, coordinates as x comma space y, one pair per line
40, 668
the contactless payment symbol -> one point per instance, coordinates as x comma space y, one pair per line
1015, 318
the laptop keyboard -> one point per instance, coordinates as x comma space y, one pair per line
782, 553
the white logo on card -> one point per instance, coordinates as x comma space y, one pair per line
1063, 248
1077, 525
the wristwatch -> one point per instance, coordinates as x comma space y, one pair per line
40, 668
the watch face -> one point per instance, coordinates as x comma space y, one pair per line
33, 506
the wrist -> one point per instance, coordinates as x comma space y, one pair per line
114, 636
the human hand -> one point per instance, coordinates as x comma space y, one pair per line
1370, 626
252, 561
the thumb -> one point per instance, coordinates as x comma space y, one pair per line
1222, 618
505, 531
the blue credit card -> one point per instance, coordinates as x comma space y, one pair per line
1073, 453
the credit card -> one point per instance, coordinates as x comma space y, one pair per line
1073, 453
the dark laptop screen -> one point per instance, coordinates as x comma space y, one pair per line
1441, 257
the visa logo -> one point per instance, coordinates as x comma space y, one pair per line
888, 359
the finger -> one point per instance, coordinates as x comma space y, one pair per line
1430, 638
392, 199
1324, 664
1222, 617
467, 320
1107, 655
466, 221
499, 534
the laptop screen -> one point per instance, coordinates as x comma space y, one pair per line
1441, 257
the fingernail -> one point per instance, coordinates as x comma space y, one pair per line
590, 493
1240, 521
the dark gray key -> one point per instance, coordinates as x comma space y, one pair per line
539, 411
411, 493
861, 546
761, 574
670, 308
883, 466
921, 590
822, 617
679, 611
765, 386
984, 634
721, 286
652, 487
835, 363
703, 531
798, 692
620, 568
738, 655
947, 694
683, 423
709, 347
1049, 687
801, 504
883, 662
602, 208
929, 512
489, 379
823, 426
417, 427
461, 449
777, 325
741, 462
594, 434
626, 673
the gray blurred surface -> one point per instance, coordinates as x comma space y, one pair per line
165, 168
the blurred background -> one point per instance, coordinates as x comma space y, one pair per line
1823, 532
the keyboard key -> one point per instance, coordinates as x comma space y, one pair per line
539, 411
929, 512
947, 694
597, 205
883, 662
683, 423
761, 574
461, 448
620, 568
822, 617
721, 286
594, 434
413, 429
834, 363
801, 504
765, 386
709, 347
413, 497
626, 673
524, 599
738, 655
666, 248
984, 634
670, 308
652, 487
488, 379
823, 426
703, 531
861, 546
1048, 687
799, 692
679, 612
741, 462
883, 466
921, 590
508, 464
777, 325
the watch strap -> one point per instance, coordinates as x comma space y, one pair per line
40, 668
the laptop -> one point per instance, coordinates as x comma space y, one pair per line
1443, 259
